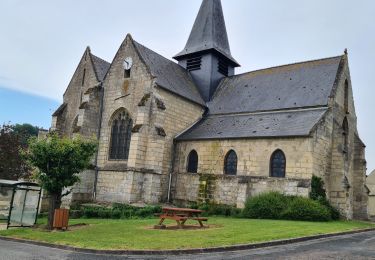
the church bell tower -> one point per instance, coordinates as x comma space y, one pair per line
207, 53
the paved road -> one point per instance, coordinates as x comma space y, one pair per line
359, 246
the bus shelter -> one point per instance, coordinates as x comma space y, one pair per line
19, 203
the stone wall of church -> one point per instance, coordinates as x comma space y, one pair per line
343, 168
158, 116
252, 169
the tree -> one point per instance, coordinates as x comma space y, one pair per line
25, 131
58, 161
12, 167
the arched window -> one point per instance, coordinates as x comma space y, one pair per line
230, 163
346, 97
120, 136
345, 135
278, 164
192, 165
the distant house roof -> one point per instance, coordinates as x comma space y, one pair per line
306, 84
60, 110
255, 125
101, 67
169, 75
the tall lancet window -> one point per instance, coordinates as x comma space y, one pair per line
345, 135
120, 135
346, 97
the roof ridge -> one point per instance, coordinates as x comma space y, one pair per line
285, 65
97, 57
156, 53
275, 111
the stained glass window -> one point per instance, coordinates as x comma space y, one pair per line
120, 136
192, 162
278, 164
230, 163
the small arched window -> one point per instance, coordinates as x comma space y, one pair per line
278, 164
120, 136
346, 97
345, 135
230, 163
192, 165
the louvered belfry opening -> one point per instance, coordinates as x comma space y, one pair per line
223, 67
120, 136
230, 163
194, 63
278, 164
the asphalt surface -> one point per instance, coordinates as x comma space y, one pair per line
357, 246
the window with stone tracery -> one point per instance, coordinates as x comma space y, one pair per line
121, 128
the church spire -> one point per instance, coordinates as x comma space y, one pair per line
209, 33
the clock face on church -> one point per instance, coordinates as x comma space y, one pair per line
128, 63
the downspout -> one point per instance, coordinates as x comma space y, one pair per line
98, 137
173, 157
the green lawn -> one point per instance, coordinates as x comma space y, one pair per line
134, 234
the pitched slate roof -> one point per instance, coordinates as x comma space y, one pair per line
101, 67
169, 75
60, 110
305, 84
257, 125
276, 102
209, 32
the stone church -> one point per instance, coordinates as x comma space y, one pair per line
194, 130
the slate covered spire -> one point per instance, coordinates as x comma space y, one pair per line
209, 33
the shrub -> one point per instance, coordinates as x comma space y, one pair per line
104, 213
317, 188
335, 214
217, 209
265, 206
116, 214
305, 209
75, 213
318, 193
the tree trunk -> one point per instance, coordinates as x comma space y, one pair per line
54, 203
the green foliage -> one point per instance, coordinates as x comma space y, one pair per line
266, 206
12, 165
305, 209
25, 131
318, 193
59, 160
317, 188
274, 205
212, 209
117, 211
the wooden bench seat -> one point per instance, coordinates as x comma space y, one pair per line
200, 219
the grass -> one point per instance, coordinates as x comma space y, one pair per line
133, 234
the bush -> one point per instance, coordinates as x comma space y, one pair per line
75, 214
305, 209
274, 205
266, 206
217, 210
318, 193
335, 214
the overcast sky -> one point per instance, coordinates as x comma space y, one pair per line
42, 41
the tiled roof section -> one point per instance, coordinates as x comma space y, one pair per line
60, 110
209, 32
169, 75
101, 67
257, 125
306, 84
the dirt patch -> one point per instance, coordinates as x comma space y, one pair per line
186, 227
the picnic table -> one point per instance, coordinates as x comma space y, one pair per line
181, 215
